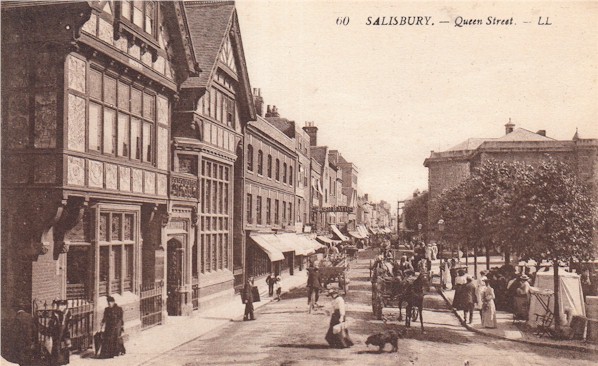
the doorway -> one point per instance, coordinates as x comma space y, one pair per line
174, 278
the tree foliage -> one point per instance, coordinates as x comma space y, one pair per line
416, 212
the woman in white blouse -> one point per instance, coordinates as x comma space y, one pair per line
338, 339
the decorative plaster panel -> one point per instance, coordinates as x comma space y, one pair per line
125, 178
76, 73
163, 148
122, 44
18, 121
150, 183
45, 169
46, 69
96, 174
90, 25
137, 180
76, 123
135, 51
106, 31
162, 185
159, 65
75, 171
146, 58
45, 120
162, 106
111, 176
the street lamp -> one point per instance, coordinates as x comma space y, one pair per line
441, 231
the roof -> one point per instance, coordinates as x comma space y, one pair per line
521, 134
283, 124
469, 144
267, 128
209, 23
319, 154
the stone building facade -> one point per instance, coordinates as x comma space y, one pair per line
448, 168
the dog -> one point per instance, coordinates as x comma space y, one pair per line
380, 340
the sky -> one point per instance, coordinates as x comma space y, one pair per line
387, 95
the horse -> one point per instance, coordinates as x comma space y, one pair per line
414, 296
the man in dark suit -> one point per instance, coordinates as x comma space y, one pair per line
248, 299
314, 284
469, 299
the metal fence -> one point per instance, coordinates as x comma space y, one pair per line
195, 294
77, 317
151, 304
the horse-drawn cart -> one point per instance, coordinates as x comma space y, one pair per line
335, 272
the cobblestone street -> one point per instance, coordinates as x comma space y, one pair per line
285, 334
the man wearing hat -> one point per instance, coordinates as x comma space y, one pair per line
314, 285
469, 299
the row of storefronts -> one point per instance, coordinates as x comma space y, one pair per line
138, 164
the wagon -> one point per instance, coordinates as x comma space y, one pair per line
336, 273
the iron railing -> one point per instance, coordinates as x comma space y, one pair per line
151, 304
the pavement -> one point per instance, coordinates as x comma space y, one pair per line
518, 332
148, 344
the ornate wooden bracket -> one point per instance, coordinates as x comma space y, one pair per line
73, 210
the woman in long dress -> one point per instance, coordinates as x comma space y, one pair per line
340, 339
112, 343
488, 307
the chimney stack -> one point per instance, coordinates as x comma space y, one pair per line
312, 131
258, 101
509, 127
268, 111
541, 133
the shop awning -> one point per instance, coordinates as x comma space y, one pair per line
338, 233
292, 242
355, 234
372, 230
273, 253
362, 230
326, 240
306, 244
280, 242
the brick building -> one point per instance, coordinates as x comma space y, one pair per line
448, 168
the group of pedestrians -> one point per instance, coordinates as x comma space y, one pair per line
470, 294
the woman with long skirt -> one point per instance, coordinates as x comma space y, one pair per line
340, 339
488, 307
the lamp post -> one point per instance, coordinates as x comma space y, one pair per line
441, 231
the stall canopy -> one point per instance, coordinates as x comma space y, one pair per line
262, 241
570, 294
338, 233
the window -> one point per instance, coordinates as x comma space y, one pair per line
121, 118
258, 210
290, 213
284, 172
118, 243
250, 158
269, 167
260, 162
215, 215
140, 13
277, 170
290, 175
276, 212
268, 211
249, 209
222, 107
284, 212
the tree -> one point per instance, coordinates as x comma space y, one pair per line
558, 214
416, 212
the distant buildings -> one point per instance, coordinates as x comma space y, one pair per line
448, 168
